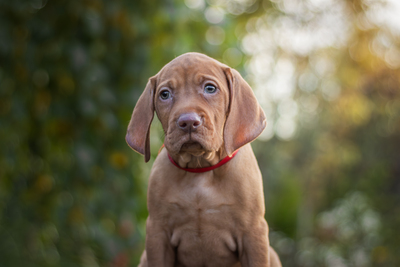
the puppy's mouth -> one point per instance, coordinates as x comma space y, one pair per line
194, 143
192, 147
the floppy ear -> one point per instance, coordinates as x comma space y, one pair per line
245, 119
138, 134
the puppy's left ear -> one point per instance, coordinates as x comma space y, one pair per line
245, 120
138, 134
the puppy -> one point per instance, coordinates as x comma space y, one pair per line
205, 194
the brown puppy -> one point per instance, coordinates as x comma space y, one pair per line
213, 218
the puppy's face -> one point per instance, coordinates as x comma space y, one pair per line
191, 100
204, 107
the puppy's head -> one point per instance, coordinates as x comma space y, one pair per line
203, 105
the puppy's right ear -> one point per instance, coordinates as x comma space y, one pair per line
138, 134
246, 119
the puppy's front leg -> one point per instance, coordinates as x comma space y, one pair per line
255, 246
159, 250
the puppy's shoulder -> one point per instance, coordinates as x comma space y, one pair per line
162, 171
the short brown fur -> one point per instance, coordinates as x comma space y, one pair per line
215, 218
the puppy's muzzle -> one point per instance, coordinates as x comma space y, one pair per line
189, 122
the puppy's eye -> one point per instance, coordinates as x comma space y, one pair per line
210, 89
165, 94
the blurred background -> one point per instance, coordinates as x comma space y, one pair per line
326, 73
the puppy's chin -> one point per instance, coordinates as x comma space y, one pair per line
186, 144
195, 144
194, 152
192, 147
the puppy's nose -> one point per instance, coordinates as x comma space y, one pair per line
189, 122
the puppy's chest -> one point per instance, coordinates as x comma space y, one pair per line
199, 202
200, 213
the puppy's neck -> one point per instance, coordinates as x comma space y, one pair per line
198, 160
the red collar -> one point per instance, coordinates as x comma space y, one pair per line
205, 169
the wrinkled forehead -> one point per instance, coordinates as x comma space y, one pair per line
192, 68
